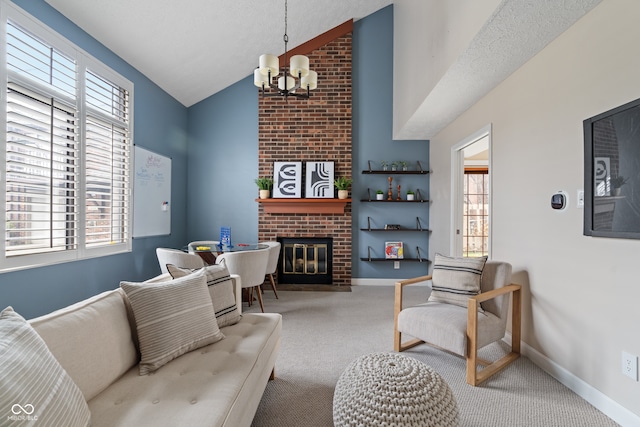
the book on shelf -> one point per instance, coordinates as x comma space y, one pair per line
393, 250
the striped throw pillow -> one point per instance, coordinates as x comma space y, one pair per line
221, 290
34, 388
454, 280
172, 318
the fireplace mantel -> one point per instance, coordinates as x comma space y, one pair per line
304, 206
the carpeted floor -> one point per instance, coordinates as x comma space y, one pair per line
324, 331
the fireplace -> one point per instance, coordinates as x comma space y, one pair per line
306, 260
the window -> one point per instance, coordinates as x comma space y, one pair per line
67, 150
475, 237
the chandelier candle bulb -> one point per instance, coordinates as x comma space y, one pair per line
259, 79
291, 82
310, 81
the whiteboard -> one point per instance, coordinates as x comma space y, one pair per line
151, 194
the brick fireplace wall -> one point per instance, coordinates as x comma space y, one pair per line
318, 129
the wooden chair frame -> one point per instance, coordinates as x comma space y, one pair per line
473, 376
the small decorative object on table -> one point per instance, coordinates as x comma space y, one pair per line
225, 236
393, 250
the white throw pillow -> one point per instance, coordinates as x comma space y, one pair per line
34, 388
172, 318
221, 290
454, 280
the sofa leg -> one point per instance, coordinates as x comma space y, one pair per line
273, 374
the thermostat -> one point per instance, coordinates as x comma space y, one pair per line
559, 200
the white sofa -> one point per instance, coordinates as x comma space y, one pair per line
217, 385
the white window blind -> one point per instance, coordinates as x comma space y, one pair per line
67, 153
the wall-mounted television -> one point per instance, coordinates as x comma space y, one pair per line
612, 173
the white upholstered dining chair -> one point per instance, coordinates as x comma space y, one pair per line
250, 266
177, 258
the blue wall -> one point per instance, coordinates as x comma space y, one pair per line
372, 140
223, 162
160, 125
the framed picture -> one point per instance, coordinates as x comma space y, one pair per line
287, 179
319, 180
393, 250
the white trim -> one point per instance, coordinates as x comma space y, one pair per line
378, 282
457, 169
599, 400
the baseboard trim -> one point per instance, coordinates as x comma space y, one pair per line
601, 401
379, 282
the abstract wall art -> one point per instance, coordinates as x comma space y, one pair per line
319, 180
287, 179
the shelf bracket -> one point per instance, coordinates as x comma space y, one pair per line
369, 252
369, 163
369, 194
419, 165
369, 223
418, 225
418, 195
418, 254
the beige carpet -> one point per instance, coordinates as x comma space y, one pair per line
324, 331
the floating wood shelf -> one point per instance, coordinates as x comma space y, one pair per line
304, 206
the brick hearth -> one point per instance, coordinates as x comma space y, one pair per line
318, 129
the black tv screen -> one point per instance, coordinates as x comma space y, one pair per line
612, 173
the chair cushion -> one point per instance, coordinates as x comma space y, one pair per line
454, 280
221, 290
172, 318
34, 386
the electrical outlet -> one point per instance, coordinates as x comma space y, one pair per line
630, 365
580, 202
396, 265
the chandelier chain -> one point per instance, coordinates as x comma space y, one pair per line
286, 37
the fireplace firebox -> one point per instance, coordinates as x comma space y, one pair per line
306, 260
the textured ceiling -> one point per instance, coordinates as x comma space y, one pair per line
195, 48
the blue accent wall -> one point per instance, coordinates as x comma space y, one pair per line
223, 162
160, 125
372, 141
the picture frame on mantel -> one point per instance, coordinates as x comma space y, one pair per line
287, 179
319, 180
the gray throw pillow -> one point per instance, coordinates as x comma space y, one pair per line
172, 318
34, 388
221, 290
454, 280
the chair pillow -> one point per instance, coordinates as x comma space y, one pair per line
33, 385
221, 290
172, 318
454, 280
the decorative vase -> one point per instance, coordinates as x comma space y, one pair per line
264, 194
616, 191
380, 196
410, 196
343, 194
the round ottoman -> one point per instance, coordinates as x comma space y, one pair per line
389, 389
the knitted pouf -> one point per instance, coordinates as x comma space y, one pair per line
389, 389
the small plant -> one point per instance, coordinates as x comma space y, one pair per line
394, 165
618, 181
342, 183
384, 164
404, 165
410, 192
264, 183
379, 192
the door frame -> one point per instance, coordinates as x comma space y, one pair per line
457, 189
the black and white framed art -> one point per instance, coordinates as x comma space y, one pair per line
319, 180
287, 179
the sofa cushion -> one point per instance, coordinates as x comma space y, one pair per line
172, 318
454, 280
221, 290
33, 385
91, 339
217, 385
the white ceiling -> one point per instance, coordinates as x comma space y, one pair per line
195, 48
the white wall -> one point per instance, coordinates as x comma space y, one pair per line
582, 294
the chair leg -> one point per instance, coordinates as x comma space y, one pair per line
260, 298
273, 285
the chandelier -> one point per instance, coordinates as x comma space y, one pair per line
297, 77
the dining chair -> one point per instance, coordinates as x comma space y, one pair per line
272, 265
177, 258
250, 266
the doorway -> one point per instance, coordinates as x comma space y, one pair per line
471, 195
